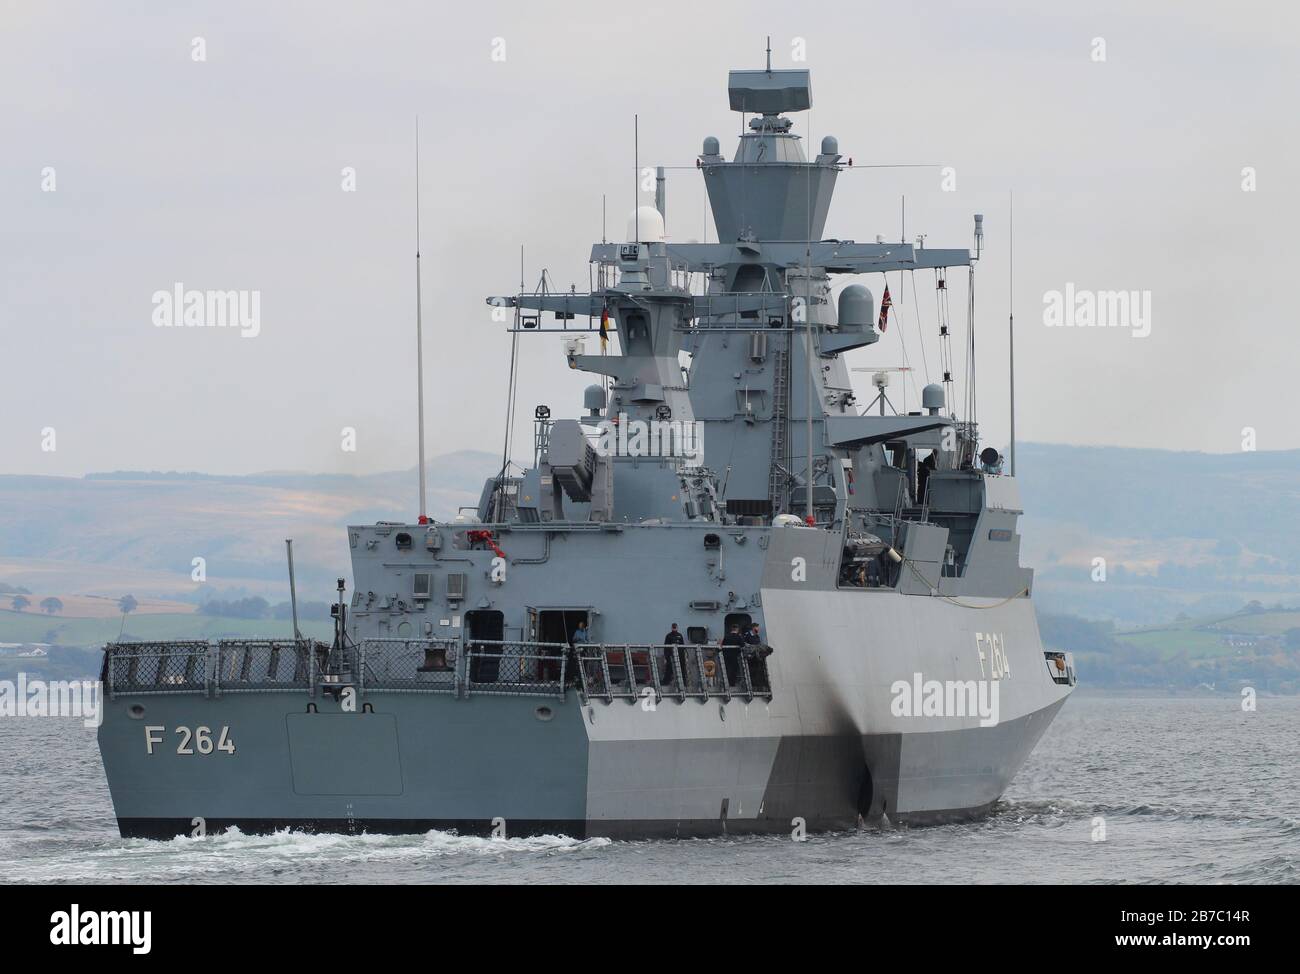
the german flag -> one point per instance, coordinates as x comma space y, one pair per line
604, 328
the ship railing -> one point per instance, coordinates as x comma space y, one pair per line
212, 668
1060, 667
647, 671
174, 666
265, 665
395, 665
515, 668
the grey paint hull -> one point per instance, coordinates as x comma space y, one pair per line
825, 750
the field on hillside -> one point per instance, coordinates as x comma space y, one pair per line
96, 606
1263, 623
1242, 633
18, 627
1168, 644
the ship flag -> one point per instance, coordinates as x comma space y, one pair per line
885, 305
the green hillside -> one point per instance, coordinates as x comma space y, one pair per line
1166, 644
18, 627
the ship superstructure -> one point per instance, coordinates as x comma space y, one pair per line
516, 668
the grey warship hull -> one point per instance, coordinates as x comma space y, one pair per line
825, 751
504, 672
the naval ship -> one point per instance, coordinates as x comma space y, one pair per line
725, 597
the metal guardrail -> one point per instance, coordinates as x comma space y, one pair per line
599, 671
374, 666
632, 671
264, 664
178, 666
409, 665
521, 668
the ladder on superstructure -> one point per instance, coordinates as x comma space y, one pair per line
776, 476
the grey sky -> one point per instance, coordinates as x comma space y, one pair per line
226, 174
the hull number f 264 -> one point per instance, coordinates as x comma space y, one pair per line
196, 741
992, 649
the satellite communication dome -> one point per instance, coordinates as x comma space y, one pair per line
647, 223
932, 397
855, 307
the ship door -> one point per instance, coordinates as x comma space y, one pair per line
484, 629
741, 619
555, 626
559, 625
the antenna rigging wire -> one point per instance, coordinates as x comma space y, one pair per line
920, 336
499, 514
970, 348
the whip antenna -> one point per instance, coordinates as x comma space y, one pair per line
419, 326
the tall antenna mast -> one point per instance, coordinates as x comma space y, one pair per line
419, 325
769, 53
636, 177
1011, 318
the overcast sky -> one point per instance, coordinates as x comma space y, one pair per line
227, 173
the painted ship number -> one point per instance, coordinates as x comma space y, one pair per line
197, 741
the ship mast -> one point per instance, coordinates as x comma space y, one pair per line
1011, 320
419, 327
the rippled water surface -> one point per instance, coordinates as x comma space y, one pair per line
1190, 790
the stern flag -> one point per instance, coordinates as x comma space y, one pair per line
604, 328
885, 305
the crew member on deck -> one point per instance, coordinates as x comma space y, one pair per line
674, 638
581, 637
756, 652
732, 644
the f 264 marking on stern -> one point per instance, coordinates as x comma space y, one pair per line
196, 741
992, 648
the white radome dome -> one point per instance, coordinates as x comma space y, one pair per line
648, 223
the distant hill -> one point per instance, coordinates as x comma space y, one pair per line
139, 532
1254, 647
1181, 532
